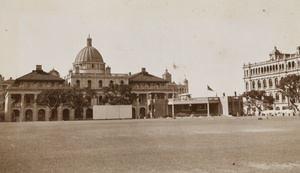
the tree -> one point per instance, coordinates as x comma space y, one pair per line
80, 98
290, 87
52, 98
257, 99
118, 95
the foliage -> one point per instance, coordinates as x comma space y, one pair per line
51, 98
256, 99
118, 95
79, 98
290, 87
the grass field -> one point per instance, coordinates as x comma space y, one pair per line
158, 145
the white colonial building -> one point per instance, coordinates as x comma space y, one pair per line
267, 74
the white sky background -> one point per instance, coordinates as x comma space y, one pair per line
208, 41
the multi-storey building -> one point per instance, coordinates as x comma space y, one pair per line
153, 93
267, 74
20, 96
89, 70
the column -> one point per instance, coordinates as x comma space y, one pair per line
34, 113
166, 97
22, 110
147, 106
72, 114
84, 114
137, 108
47, 114
8, 110
59, 113
280, 98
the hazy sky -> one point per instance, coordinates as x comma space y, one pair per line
207, 41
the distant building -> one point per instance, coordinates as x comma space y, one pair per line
267, 74
21, 93
153, 93
89, 70
185, 106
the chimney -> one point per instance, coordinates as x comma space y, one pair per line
38, 67
144, 70
235, 93
223, 94
129, 73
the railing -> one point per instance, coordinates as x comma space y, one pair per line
272, 72
96, 75
195, 99
16, 105
289, 56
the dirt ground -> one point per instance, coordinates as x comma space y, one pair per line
220, 144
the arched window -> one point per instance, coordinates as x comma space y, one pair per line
78, 83
89, 84
264, 83
111, 83
253, 85
270, 83
293, 65
41, 115
122, 82
259, 84
247, 86
100, 83
277, 97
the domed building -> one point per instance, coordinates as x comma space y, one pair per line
89, 60
54, 73
89, 71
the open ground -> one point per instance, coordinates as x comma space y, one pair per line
220, 144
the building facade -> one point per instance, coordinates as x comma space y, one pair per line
89, 70
267, 74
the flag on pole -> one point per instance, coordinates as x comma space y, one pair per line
209, 88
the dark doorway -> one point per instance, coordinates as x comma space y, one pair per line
53, 116
142, 113
66, 114
28, 115
41, 115
89, 113
133, 113
15, 117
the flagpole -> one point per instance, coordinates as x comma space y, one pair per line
208, 113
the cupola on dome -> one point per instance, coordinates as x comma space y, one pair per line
88, 54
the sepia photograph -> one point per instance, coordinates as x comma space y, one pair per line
166, 86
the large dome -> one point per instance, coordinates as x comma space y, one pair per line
88, 54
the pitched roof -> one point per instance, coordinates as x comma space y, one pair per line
145, 77
39, 75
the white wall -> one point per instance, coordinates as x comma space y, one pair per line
102, 112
